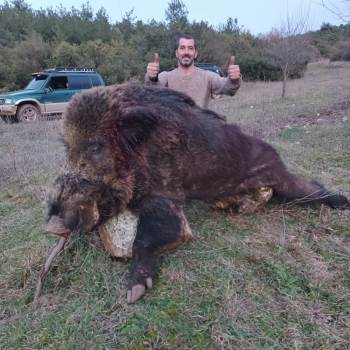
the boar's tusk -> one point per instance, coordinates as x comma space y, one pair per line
54, 251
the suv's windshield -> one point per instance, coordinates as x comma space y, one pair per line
36, 83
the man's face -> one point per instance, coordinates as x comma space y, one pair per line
186, 52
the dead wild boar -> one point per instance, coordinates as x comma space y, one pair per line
149, 150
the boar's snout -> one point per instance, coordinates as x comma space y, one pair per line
64, 223
63, 216
72, 216
70, 204
57, 227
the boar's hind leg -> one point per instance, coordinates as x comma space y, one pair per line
162, 226
296, 190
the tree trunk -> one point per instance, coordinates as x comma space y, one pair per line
284, 82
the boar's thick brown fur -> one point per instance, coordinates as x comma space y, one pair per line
151, 149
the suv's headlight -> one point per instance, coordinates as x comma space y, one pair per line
8, 101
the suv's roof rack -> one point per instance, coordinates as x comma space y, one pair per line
69, 69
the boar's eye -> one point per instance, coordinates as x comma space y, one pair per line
95, 148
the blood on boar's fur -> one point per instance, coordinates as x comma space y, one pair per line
149, 150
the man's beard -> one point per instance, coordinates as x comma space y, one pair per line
187, 63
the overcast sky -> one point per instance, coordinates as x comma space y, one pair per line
258, 16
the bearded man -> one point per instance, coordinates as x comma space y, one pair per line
197, 83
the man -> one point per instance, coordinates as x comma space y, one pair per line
187, 78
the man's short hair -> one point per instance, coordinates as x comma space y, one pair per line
185, 36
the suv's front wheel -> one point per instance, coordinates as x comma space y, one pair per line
28, 113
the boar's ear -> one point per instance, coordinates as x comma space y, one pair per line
136, 125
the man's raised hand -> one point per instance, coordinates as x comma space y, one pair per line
233, 71
153, 68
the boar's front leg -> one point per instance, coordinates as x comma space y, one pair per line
162, 226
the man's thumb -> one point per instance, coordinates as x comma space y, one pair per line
156, 58
231, 62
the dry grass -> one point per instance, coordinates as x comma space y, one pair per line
30, 154
277, 279
258, 108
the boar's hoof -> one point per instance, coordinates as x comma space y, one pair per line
143, 270
138, 290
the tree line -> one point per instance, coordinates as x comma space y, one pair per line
32, 40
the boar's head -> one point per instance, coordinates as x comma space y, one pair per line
101, 131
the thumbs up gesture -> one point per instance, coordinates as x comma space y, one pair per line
153, 68
233, 71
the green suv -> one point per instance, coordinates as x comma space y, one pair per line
47, 94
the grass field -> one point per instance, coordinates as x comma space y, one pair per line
276, 279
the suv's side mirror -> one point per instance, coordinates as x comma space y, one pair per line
48, 89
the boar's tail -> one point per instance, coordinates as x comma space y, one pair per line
296, 190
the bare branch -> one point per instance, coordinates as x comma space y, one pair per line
341, 11
288, 46
47, 265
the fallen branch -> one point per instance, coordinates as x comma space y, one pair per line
54, 251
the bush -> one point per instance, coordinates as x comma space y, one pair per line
258, 69
341, 52
297, 71
255, 69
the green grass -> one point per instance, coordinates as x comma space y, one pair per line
276, 279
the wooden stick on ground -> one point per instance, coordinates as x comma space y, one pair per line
54, 251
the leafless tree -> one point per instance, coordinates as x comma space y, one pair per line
288, 46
